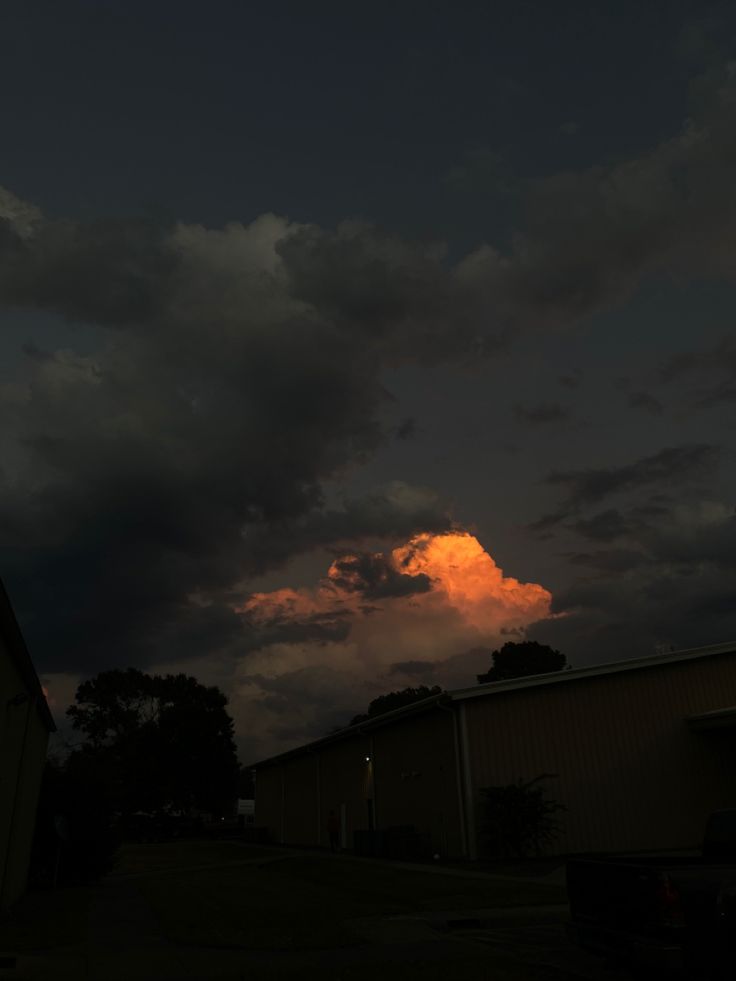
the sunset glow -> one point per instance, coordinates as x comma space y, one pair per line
462, 577
472, 582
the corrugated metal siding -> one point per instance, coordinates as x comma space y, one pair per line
268, 800
346, 779
630, 771
410, 778
26, 807
416, 780
20, 768
301, 800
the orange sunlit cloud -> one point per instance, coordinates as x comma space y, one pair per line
424, 613
472, 582
463, 577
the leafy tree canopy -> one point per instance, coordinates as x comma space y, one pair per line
517, 660
394, 700
164, 743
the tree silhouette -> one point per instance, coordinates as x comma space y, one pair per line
394, 700
518, 660
164, 743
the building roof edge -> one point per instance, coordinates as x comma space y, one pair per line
13, 637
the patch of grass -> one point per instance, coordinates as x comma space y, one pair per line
304, 902
381, 889
133, 857
245, 907
46, 919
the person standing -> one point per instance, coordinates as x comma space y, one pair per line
333, 830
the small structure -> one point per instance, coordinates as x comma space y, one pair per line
25, 725
641, 750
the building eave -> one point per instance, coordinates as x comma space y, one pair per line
16, 645
723, 718
352, 732
573, 674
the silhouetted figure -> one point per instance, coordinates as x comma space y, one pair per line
333, 829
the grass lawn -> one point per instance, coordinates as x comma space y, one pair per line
307, 902
301, 902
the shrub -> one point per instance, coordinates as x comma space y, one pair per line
517, 819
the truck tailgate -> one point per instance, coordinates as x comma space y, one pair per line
615, 895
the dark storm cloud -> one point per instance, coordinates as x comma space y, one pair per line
591, 486
407, 429
676, 587
588, 488
609, 560
375, 577
633, 612
190, 452
590, 237
193, 449
572, 380
645, 402
396, 297
108, 272
396, 511
604, 526
678, 466
418, 669
708, 377
313, 686
329, 626
694, 542
541, 414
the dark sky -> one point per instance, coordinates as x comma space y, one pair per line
290, 290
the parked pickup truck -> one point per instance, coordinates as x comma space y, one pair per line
660, 915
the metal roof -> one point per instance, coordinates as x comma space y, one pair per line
13, 638
500, 687
612, 667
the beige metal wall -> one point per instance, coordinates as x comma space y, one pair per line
268, 800
345, 779
632, 773
416, 778
411, 778
294, 797
301, 800
20, 780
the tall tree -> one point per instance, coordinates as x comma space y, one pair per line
166, 743
520, 660
394, 700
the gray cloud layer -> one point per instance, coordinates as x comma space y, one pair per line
241, 373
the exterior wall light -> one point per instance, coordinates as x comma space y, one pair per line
367, 759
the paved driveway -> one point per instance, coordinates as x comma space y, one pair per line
521, 944
534, 937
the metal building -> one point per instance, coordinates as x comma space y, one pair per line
643, 750
25, 724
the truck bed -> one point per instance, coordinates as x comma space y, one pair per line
659, 911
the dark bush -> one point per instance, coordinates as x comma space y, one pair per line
516, 818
